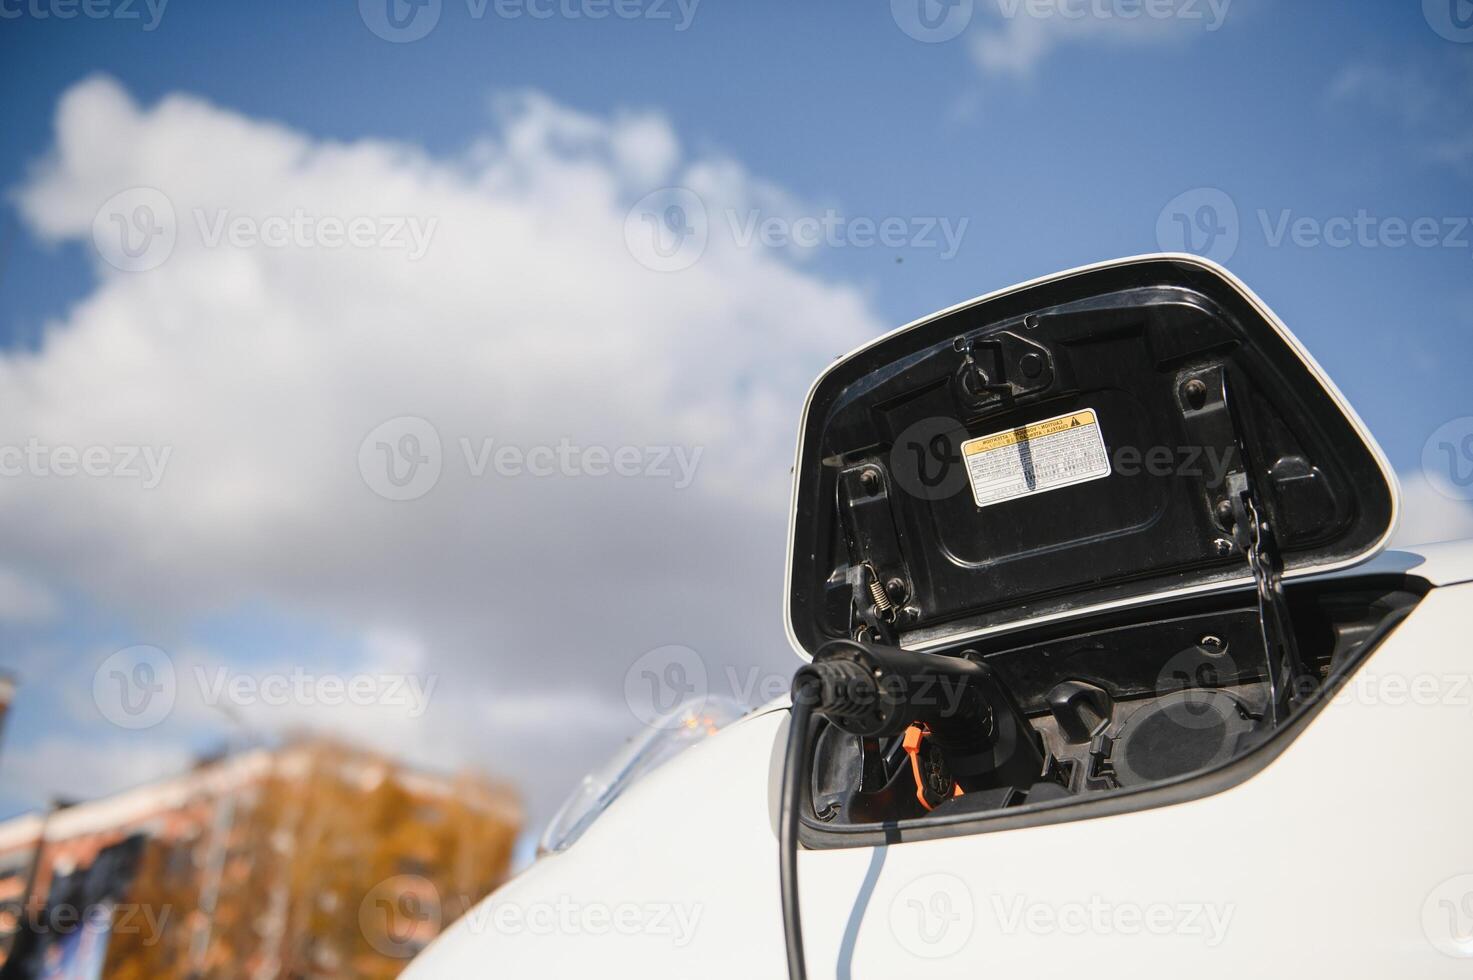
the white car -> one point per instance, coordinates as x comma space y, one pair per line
1108, 675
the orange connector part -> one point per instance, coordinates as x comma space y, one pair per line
912, 745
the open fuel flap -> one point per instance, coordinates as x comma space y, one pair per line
1074, 511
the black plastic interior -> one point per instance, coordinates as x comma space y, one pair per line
1183, 692
1149, 347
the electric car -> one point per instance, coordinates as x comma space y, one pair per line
1103, 671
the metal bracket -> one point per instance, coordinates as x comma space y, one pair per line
1000, 367
877, 575
1253, 534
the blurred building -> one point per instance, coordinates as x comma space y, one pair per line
312, 860
7, 694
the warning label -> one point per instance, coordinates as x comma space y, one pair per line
1047, 455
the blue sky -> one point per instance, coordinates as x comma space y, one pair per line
1065, 152
1069, 165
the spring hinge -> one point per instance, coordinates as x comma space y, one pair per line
877, 575
1254, 536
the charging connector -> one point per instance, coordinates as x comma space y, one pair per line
877, 691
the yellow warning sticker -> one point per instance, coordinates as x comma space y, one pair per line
1036, 457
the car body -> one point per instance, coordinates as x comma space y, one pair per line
1334, 840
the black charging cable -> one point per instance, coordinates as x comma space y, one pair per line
872, 691
806, 693
837, 689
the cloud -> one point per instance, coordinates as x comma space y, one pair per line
255, 364
1429, 516
23, 600
1432, 101
73, 768
1020, 34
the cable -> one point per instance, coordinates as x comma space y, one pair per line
795, 770
872, 691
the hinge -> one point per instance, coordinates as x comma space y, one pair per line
1253, 534
999, 368
878, 578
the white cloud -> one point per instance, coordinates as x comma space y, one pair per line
1429, 516
1018, 35
527, 322
23, 600
77, 768
1432, 100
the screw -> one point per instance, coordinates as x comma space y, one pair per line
895, 589
869, 479
1196, 393
975, 381
1224, 546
